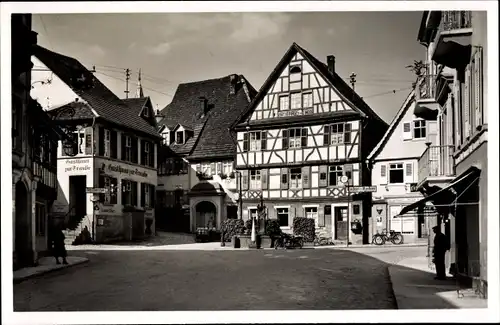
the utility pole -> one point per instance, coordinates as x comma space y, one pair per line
127, 78
352, 79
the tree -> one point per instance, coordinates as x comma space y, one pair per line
418, 68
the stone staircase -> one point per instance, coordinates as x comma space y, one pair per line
72, 234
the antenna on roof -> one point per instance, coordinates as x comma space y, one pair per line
127, 78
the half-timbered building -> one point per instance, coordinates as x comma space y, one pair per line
34, 149
197, 182
114, 149
305, 129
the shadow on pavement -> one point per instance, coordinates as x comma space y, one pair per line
326, 279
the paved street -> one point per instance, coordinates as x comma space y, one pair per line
216, 280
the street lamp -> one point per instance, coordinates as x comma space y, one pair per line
345, 180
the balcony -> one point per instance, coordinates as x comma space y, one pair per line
436, 166
426, 104
453, 40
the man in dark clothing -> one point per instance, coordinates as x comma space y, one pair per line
439, 252
57, 244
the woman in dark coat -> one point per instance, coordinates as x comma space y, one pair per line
57, 244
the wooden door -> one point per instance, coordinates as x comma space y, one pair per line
341, 226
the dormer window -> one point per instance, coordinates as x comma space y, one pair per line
179, 137
146, 112
165, 136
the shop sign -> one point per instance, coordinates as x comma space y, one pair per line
123, 170
77, 165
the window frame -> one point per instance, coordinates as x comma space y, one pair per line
421, 128
107, 143
255, 141
256, 182
281, 214
307, 93
286, 99
295, 181
396, 167
295, 99
335, 170
177, 137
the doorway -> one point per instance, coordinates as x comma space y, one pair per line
340, 214
206, 214
24, 252
77, 198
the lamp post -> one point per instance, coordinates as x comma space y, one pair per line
240, 200
345, 181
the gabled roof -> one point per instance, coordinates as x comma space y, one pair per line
343, 90
102, 101
137, 104
212, 137
395, 122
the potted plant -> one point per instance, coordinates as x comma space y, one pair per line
232, 175
222, 175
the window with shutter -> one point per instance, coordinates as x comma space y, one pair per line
323, 176
347, 134
88, 141
101, 141
244, 179
408, 173
264, 178
284, 140
457, 113
383, 174
114, 144
263, 145
407, 131
326, 135
478, 88
306, 177
245, 142
284, 178
212, 169
304, 138
466, 106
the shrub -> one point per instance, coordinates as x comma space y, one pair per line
273, 227
304, 227
232, 227
248, 226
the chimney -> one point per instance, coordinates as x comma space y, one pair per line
203, 104
233, 79
331, 63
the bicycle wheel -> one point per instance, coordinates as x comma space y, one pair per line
379, 239
300, 243
397, 239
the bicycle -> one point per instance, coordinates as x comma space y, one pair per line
287, 241
320, 240
394, 237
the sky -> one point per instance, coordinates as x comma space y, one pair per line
174, 48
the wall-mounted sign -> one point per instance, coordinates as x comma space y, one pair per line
101, 190
296, 112
362, 189
77, 165
123, 170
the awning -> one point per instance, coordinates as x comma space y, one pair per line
465, 179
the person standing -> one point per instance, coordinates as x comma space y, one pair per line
441, 245
57, 244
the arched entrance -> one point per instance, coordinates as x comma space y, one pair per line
206, 212
24, 253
